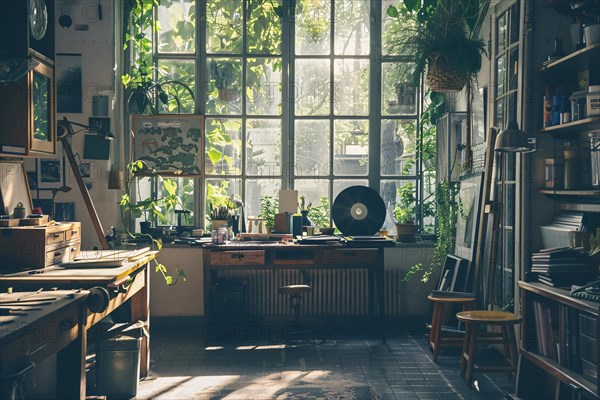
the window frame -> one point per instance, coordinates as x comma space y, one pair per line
376, 60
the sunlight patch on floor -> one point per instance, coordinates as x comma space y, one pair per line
180, 387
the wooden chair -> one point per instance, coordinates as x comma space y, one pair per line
475, 319
436, 340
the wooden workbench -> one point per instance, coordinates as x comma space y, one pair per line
40, 325
129, 282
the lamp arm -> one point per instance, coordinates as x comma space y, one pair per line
83, 189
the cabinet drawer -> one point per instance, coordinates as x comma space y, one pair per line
74, 233
242, 257
348, 256
60, 255
55, 237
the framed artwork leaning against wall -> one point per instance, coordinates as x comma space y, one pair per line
469, 198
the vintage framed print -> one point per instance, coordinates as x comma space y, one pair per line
69, 83
99, 124
469, 198
170, 144
50, 173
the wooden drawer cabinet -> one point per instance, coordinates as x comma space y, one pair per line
348, 256
27, 247
239, 257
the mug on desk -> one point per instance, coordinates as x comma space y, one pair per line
19, 211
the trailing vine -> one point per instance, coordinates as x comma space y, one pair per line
447, 211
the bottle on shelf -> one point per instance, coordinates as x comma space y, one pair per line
548, 107
571, 167
558, 51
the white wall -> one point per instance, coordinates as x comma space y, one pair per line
184, 298
96, 46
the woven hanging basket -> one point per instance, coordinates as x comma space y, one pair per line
444, 77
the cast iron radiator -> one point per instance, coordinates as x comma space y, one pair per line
335, 292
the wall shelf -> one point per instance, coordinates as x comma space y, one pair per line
573, 60
563, 192
574, 127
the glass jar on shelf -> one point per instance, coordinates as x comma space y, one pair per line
571, 170
595, 158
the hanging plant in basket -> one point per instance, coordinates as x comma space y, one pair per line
441, 34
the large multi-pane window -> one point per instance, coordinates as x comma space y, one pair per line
312, 97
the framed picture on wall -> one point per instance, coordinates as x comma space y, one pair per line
469, 198
50, 173
64, 211
69, 83
169, 143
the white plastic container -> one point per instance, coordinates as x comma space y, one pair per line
593, 101
591, 34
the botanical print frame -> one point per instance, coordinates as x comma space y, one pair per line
170, 144
469, 198
50, 173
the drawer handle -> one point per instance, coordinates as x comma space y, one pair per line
57, 253
56, 235
74, 232
238, 256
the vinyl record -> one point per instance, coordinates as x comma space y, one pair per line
358, 210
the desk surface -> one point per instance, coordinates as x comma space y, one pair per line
27, 308
85, 276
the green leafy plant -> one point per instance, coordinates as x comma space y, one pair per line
269, 206
440, 34
447, 210
145, 90
405, 210
150, 209
319, 213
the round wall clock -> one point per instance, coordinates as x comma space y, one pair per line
38, 18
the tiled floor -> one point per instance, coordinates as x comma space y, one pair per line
239, 362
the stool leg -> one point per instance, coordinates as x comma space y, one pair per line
464, 355
472, 350
506, 346
434, 333
514, 352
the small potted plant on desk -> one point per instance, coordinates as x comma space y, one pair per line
405, 213
269, 206
319, 215
219, 216
150, 208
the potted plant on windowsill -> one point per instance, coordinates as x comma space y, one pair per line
269, 206
405, 214
319, 216
441, 34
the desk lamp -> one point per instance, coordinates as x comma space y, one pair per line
64, 132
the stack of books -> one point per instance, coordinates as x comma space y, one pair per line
562, 267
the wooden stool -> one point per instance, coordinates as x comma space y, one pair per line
506, 322
295, 293
436, 341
